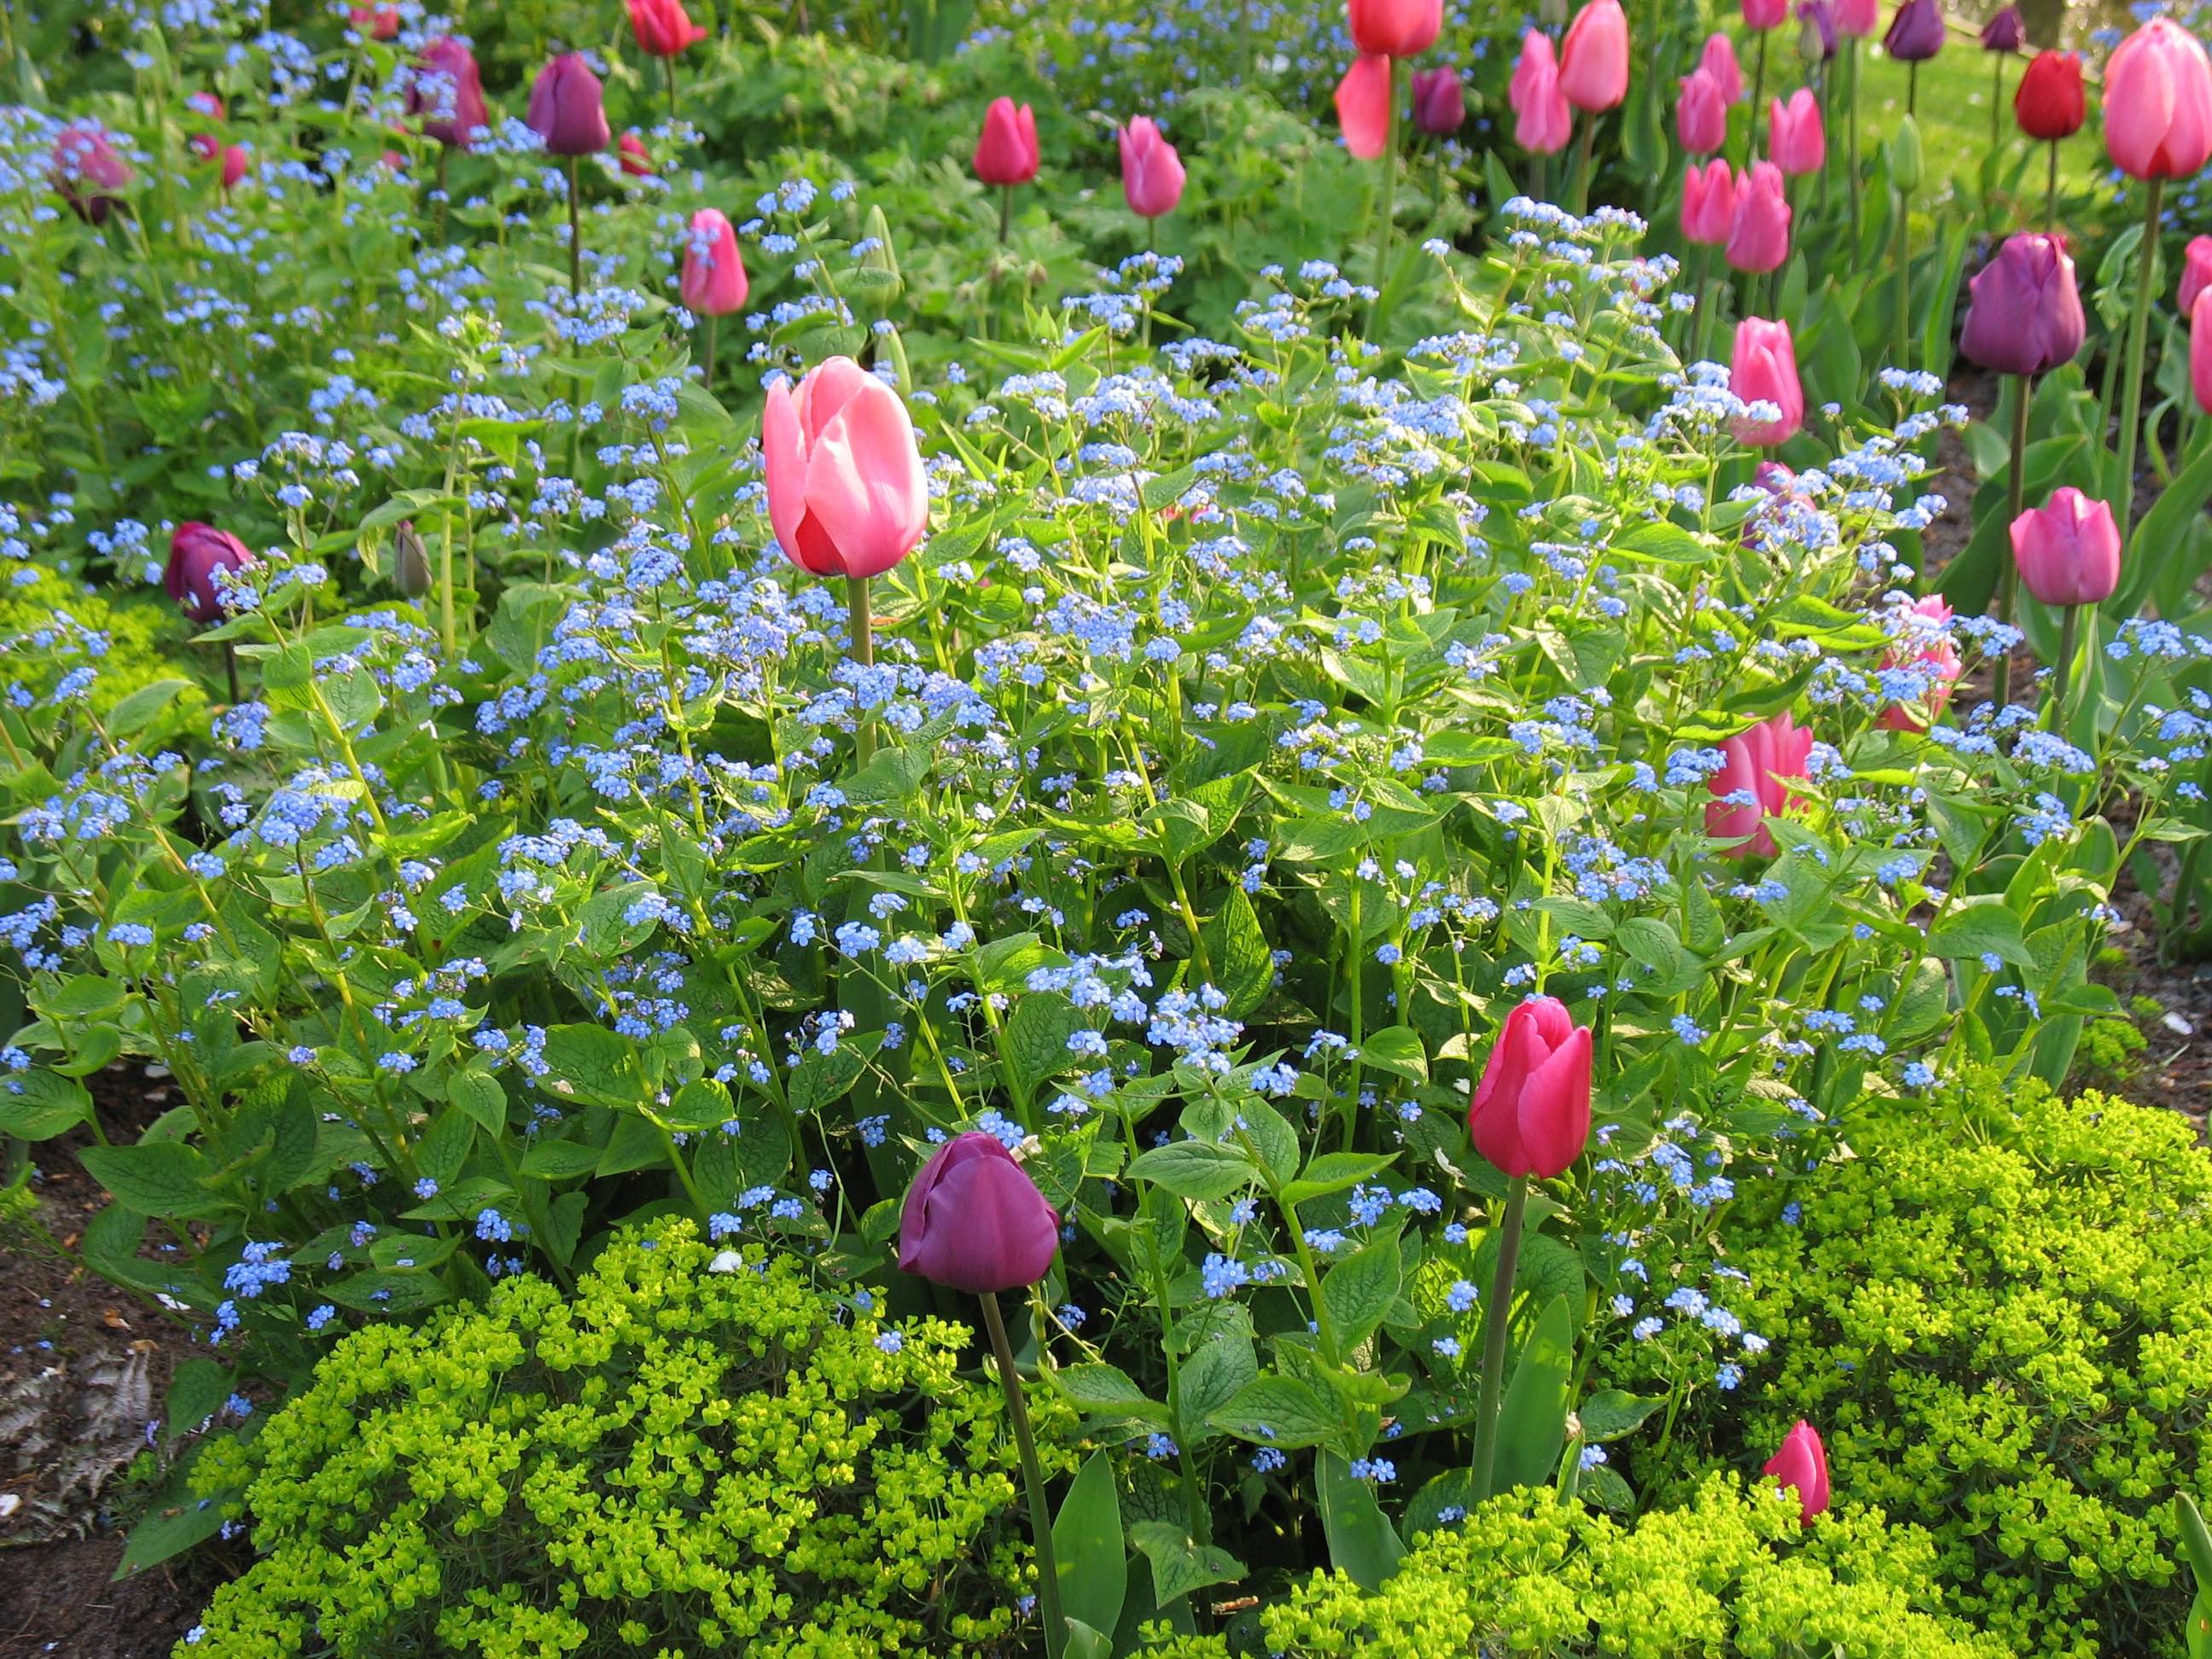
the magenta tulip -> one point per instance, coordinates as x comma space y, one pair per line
1764, 13
196, 553
1802, 1462
1796, 139
974, 1221
713, 283
1541, 119
1594, 58
1718, 60
1700, 114
1753, 785
568, 109
2023, 310
447, 92
1152, 171
1006, 149
1362, 107
2195, 272
846, 492
1531, 1114
1763, 369
88, 172
1930, 663
2200, 351
1393, 28
663, 28
1857, 18
1758, 240
2068, 550
1708, 202
2158, 103
1439, 102
1915, 32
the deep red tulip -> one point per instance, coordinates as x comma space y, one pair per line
1439, 102
1393, 28
1152, 171
1541, 119
1758, 240
1531, 1114
1802, 1462
2158, 103
2049, 102
1926, 649
2023, 310
714, 282
663, 28
845, 492
1763, 369
447, 92
568, 108
88, 171
1594, 58
1753, 786
974, 1221
2068, 550
197, 552
1006, 149
1708, 202
1700, 114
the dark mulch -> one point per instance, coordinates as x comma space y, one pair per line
57, 1601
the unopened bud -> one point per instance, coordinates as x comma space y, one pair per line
411, 564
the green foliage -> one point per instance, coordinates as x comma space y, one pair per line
724, 1457
1999, 1317
52, 624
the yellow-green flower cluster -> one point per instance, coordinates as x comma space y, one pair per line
2000, 1318
674, 1462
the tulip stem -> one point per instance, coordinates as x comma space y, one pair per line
1996, 99
2056, 710
444, 156
1581, 188
2138, 326
713, 330
1903, 278
1006, 212
1851, 119
230, 668
575, 235
1912, 89
2051, 189
1757, 98
668, 64
861, 624
1494, 1335
1055, 1627
2016, 498
1390, 199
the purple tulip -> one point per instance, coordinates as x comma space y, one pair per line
197, 552
974, 1220
1816, 31
1915, 33
1439, 106
2023, 311
567, 109
2005, 32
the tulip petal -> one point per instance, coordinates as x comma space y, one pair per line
865, 483
1362, 106
1555, 1104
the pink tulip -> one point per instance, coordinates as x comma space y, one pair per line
205, 103
1926, 651
1700, 114
1797, 143
2200, 351
1541, 119
663, 28
2068, 550
1393, 28
1594, 58
974, 1221
1531, 1113
236, 163
1006, 149
713, 283
88, 171
568, 108
1859, 18
1439, 101
447, 91
1718, 60
2158, 103
1708, 202
1802, 1462
635, 159
1758, 240
1753, 785
196, 553
1764, 13
846, 492
376, 22
1152, 171
1764, 370
2195, 272
1362, 107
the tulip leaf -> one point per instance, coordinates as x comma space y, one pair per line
1532, 1426
1362, 1543
1093, 1564
2159, 536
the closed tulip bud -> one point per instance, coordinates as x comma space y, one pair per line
714, 284
2049, 102
1764, 13
1362, 107
447, 92
88, 172
236, 164
199, 556
846, 492
568, 108
1763, 369
1906, 165
1152, 171
1700, 114
635, 159
1393, 28
2158, 103
1922, 667
376, 22
2068, 550
1915, 32
1594, 58
410, 563
2004, 31
663, 28
1816, 31
1802, 1462
1718, 60
1439, 103
1795, 138
1541, 119
974, 1220
1758, 240
882, 257
2200, 350
1531, 1114
1708, 202
2023, 311
1006, 149
1753, 783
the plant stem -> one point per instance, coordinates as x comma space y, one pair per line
2015, 497
1581, 192
2138, 325
230, 668
2051, 189
1996, 98
1390, 194
1903, 278
1494, 1335
861, 624
575, 236
1852, 159
669, 65
1758, 99
1006, 212
445, 155
714, 331
1055, 1627
2056, 710
1912, 89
